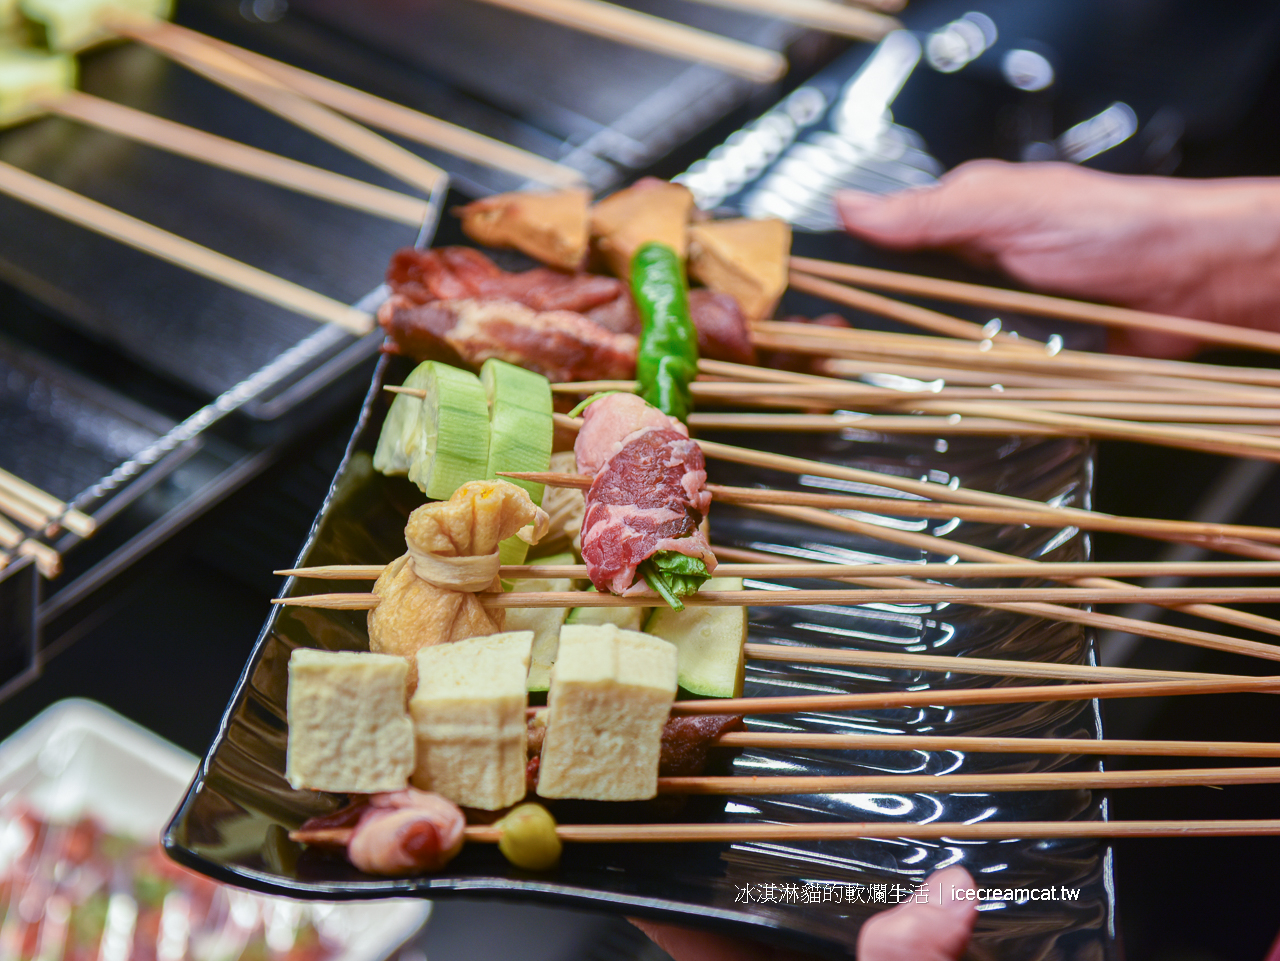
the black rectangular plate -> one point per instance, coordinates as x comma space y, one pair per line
230, 823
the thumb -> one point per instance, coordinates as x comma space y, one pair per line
918, 217
936, 928
968, 204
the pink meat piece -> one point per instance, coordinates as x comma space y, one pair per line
722, 327
648, 497
610, 422
559, 344
392, 834
463, 273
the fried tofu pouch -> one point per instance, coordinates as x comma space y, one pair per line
427, 596
746, 259
648, 210
550, 227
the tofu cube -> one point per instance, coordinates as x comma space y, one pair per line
469, 718
349, 729
611, 694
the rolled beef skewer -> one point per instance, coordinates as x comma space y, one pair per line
649, 493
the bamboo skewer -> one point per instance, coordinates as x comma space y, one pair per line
623, 25
1004, 355
852, 831
47, 560
53, 510
1143, 403
977, 375
1181, 388
1044, 516
795, 741
910, 314
980, 783
934, 544
1033, 694
135, 233
1048, 570
1038, 304
800, 465
398, 119
194, 52
820, 15
922, 594
957, 664
239, 158
1073, 615
1165, 435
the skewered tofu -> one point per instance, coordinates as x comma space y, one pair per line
29, 77
550, 227
73, 25
648, 210
469, 719
611, 693
746, 259
349, 731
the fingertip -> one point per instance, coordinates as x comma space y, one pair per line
852, 205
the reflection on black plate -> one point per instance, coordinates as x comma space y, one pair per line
810, 896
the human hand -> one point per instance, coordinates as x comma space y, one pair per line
1208, 249
935, 930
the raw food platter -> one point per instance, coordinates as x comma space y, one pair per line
233, 820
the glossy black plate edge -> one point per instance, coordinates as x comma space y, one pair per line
734, 923
727, 922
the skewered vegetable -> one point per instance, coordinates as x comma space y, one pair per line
709, 643
520, 431
667, 362
453, 426
545, 622
529, 838
28, 78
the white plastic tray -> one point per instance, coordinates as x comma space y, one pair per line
78, 757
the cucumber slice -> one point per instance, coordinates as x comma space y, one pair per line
398, 442
520, 429
453, 432
28, 77
73, 25
709, 642
545, 622
628, 618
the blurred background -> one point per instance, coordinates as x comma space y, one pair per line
122, 380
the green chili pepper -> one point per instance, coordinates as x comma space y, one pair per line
667, 359
666, 364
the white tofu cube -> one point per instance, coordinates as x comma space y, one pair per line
469, 718
611, 694
349, 729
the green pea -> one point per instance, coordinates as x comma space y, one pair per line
529, 838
